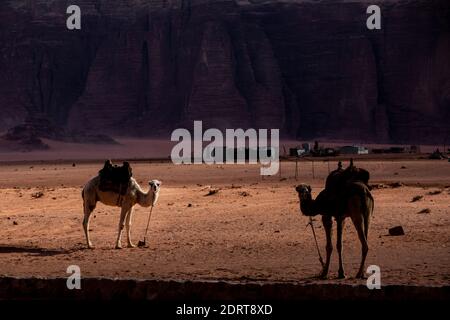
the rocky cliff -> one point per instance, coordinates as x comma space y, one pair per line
310, 68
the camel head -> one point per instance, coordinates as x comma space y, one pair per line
304, 191
307, 204
155, 187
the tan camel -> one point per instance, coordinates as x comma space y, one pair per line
355, 201
134, 195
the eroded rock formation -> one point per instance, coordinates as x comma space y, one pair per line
312, 69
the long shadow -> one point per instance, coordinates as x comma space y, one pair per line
36, 250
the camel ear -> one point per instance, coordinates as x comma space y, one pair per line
309, 188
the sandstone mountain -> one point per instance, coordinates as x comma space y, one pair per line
310, 68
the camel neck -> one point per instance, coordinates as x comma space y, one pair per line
145, 199
307, 206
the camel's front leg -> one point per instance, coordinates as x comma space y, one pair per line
128, 225
328, 226
340, 226
123, 215
358, 222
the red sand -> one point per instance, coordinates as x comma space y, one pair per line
228, 236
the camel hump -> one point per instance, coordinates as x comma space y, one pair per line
342, 181
115, 178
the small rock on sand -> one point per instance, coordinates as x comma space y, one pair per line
212, 192
395, 184
37, 195
397, 231
376, 186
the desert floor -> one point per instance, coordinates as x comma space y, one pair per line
251, 230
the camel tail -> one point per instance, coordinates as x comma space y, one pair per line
372, 204
369, 205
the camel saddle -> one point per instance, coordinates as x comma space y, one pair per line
339, 177
115, 178
336, 185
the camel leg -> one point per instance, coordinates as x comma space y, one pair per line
358, 222
88, 208
128, 225
123, 215
328, 226
340, 226
366, 226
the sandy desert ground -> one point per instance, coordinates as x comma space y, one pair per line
251, 230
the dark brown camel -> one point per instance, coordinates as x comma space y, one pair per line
350, 198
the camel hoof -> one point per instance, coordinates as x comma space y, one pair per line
341, 276
360, 275
91, 247
130, 245
118, 247
323, 276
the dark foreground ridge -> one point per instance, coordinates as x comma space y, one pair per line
169, 290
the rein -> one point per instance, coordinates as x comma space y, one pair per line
311, 223
148, 223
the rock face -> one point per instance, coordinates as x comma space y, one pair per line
27, 136
144, 68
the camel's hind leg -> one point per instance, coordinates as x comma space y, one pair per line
368, 213
88, 208
366, 226
328, 226
128, 225
358, 222
123, 214
340, 226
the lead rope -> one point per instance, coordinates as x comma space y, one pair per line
315, 239
148, 223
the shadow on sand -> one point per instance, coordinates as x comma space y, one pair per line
36, 250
